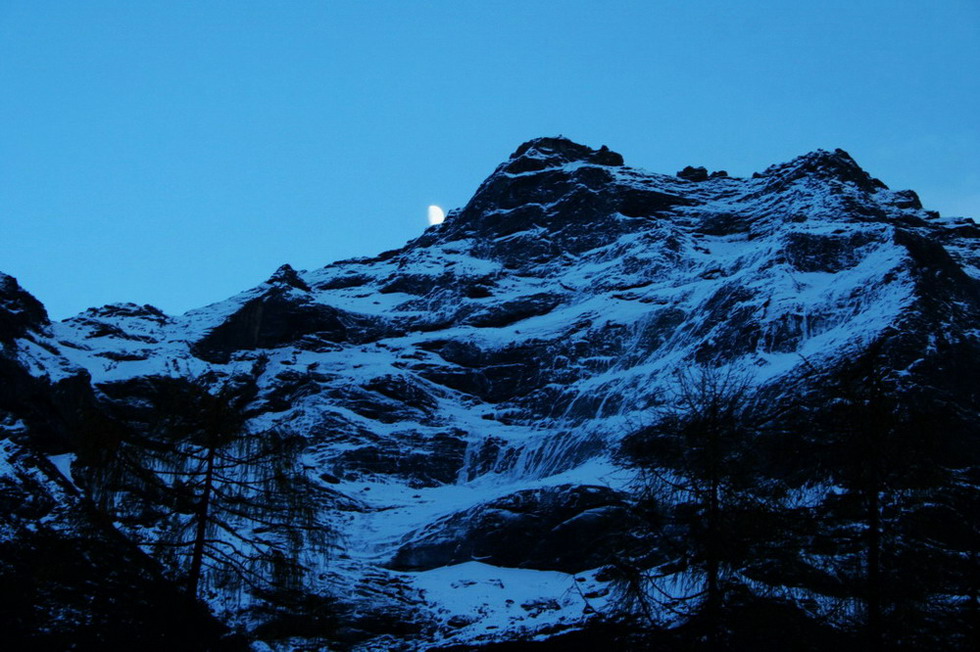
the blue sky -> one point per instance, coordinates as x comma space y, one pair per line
175, 153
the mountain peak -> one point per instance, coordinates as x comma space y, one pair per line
19, 310
821, 163
286, 275
822, 159
540, 153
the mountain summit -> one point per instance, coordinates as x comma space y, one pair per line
454, 414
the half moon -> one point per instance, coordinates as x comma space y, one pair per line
436, 215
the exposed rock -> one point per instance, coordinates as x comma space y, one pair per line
830, 253
420, 459
693, 174
907, 199
837, 165
417, 284
277, 318
286, 275
725, 224
127, 311
350, 280
510, 312
568, 528
542, 153
647, 203
19, 310
56, 412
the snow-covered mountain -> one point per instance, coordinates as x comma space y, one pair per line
461, 399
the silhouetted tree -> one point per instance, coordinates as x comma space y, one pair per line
223, 506
707, 511
851, 511
894, 526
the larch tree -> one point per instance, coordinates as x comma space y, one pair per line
705, 511
898, 525
227, 508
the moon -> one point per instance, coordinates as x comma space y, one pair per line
436, 215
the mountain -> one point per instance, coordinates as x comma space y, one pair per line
462, 401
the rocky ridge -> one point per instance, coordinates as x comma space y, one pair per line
461, 397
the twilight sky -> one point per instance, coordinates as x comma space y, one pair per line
176, 152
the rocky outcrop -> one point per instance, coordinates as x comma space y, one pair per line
569, 528
20, 312
542, 153
560, 186
282, 316
691, 173
823, 165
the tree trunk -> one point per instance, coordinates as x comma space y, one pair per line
713, 588
203, 507
713, 605
873, 595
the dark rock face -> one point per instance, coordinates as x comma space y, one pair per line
907, 199
286, 275
825, 253
693, 174
837, 165
122, 321
422, 461
725, 224
542, 153
145, 402
281, 317
56, 412
569, 528
492, 375
514, 311
54, 409
128, 311
19, 311
559, 186
646, 203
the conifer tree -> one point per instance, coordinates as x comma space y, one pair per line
705, 509
228, 509
896, 531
